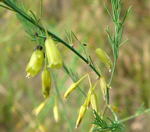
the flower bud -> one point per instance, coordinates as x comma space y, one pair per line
46, 82
55, 110
94, 101
90, 92
39, 108
84, 107
53, 54
73, 87
35, 64
104, 58
82, 112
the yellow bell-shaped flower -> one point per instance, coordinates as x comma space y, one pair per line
46, 82
53, 54
36, 62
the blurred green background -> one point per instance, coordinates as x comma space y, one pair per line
88, 20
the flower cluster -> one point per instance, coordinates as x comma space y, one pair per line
50, 59
45, 61
91, 98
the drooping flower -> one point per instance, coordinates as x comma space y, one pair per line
53, 54
46, 82
39, 108
82, 112
84, 107
35, 63
74, 86
90, 92
94, 101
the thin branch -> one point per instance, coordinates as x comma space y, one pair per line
134, 116
28, 18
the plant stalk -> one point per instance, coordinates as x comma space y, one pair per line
134, 116
27, 17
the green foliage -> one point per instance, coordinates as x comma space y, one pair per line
115, 38
118, 19
105, 125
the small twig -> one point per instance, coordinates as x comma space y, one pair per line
134, 116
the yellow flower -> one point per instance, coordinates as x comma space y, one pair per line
84, 107
46, 82
74, 86
35, 64
53, 54
94, 101
39, 108
82, 112
90, 92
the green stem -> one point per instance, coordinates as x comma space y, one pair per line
27, 17
111, 77
134, 116
112, 111
112, 72
116, 41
